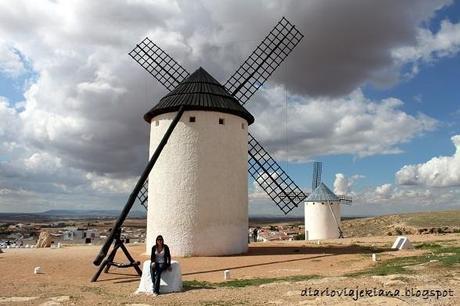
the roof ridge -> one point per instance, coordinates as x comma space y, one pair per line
200, 91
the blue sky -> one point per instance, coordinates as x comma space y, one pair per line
435, 92
372, 93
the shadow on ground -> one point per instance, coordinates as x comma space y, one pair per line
320, 251
327, 249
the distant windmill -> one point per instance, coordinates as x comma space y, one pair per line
322, 209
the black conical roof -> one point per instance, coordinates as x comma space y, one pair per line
200, 91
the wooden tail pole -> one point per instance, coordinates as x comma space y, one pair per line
336, 221
132, 198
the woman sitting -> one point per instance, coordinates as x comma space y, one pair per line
160, 258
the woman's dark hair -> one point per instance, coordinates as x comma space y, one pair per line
159, 237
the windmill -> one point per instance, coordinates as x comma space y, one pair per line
203, 99
322, 209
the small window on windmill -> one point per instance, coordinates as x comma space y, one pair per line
157, 123
192, 119
242, 126
221, 121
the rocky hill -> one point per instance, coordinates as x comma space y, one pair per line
404, 224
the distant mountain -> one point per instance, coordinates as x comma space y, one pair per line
69, 214
79, 213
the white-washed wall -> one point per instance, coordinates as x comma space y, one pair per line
198, 193
319, 221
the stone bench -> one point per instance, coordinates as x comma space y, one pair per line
171, 281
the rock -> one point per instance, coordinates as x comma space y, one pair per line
378, 300
17, 299
393, 279
274, 284
62, 298
324, 280
44, 240
402, 243
50, 303
277, 302
292, 293
416, 267
421, 231
309, 301
171, 281
395, 282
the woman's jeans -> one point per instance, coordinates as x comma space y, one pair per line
155, 271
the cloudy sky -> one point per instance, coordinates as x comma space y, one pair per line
371, 91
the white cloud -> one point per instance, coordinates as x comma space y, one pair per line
393, 199
348, 125
384, 191
442, 171
10, 61
343, 185
430, 46
10, 127
110, 184
82, 113
388, 194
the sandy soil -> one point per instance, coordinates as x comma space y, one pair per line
67, 272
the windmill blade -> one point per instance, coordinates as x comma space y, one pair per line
316, 180
263, 61
272, 178
143, 194
159, 64
344, 199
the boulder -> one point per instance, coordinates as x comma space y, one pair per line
44, 240
402, 243
171, 281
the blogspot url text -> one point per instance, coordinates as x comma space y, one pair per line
359, 293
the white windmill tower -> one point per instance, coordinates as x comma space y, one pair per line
198, 192
322, 210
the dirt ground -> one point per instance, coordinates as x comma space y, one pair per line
68, 270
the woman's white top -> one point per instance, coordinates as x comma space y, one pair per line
160, 256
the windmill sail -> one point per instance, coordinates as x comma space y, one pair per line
159, 64
263, 61
247, 79
316, 180
142, 196
272, 178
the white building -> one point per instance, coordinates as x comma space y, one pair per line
72, 233
91, 233
198, 193
322, 214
